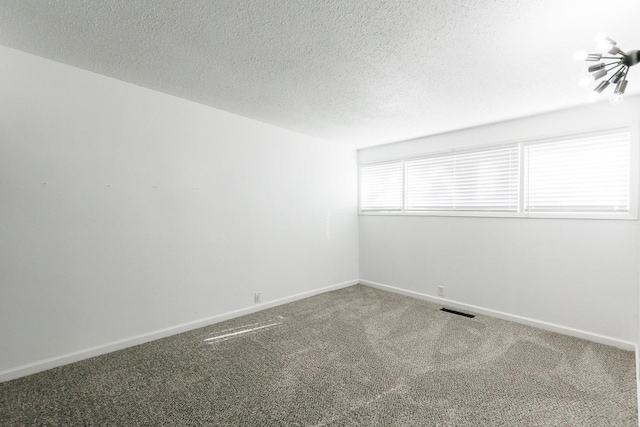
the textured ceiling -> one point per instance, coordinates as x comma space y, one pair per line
356, 72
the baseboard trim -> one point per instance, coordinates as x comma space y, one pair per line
602, 339
87, 353
638, 381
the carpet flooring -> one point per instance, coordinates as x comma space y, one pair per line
352, 357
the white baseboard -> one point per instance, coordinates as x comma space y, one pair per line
638, 381
602, 339
65, 359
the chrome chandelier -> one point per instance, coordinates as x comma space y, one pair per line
617, 64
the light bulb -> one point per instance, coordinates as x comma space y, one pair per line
608, 46
585, 81
602, 86
600, 36
616, 99
596, 67
580, 55
615, 50
621, 87
599, 74
604, 46
592, 97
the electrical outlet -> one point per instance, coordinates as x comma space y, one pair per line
440, 291
257, 298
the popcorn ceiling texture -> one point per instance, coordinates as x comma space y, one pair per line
360, 73
353, 357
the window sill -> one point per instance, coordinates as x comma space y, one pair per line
559, 215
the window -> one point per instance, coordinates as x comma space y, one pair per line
583, 176
484, 180
588, 174
381, 187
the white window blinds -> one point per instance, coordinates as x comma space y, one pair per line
583, 174
381, 187
578, 176
486, 180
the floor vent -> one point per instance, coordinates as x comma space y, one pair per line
471, 316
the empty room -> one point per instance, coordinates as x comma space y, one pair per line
326, 213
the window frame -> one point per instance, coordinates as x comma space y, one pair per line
634, 162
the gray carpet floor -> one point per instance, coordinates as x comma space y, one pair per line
352, 357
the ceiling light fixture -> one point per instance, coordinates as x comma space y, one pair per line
618, 65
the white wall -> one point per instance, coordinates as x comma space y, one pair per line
124, 211
574, 273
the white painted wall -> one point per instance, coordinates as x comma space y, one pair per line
575, 273
124, 211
